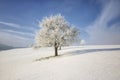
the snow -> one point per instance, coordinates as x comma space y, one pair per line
94, 62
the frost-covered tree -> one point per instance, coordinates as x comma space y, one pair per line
56, 31
82, 42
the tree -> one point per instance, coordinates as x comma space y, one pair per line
56, 31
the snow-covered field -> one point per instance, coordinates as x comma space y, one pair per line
97, 62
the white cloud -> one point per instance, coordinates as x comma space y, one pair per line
15, 36
14, 25
18, 33
13, 40
10, 24
99, 31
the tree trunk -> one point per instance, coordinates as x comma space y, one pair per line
56, 49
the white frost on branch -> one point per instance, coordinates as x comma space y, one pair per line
56, 29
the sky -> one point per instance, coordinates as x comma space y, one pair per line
98, 20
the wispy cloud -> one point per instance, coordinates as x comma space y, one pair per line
10, 24
24, 34
15, 41
14, 25
16, 35
102, 33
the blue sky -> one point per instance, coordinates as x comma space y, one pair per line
98, 20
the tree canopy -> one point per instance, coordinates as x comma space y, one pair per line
56, 31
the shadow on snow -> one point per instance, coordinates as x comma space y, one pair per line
91, 50
78, 52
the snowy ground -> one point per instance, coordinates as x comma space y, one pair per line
98, 62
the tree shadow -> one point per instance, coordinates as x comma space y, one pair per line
78, 52
64, 48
